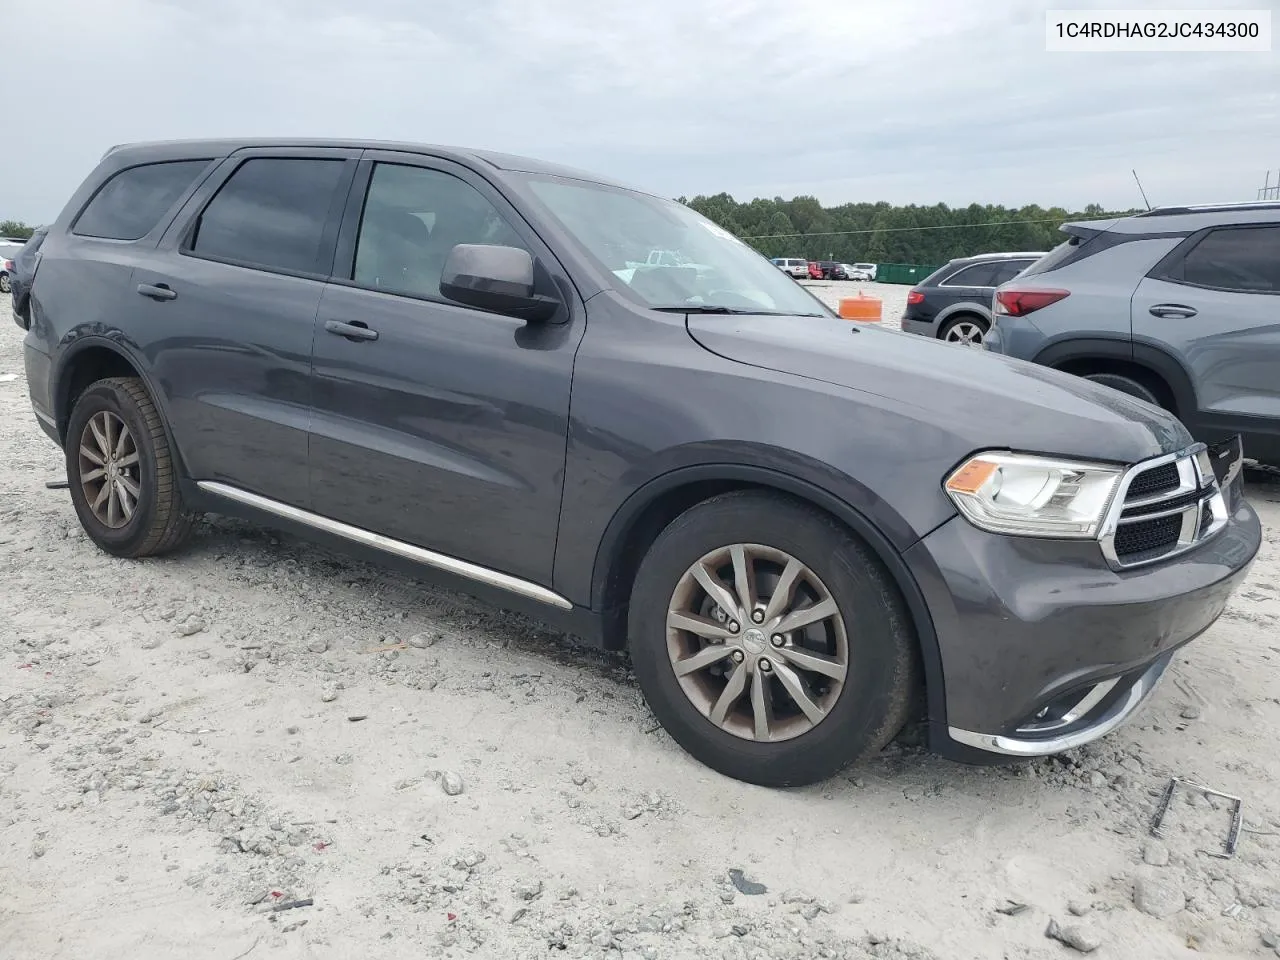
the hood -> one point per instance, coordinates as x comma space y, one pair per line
989, 400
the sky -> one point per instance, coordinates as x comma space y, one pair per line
908, 101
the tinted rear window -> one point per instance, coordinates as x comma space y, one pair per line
271, 213
978, 275
1052, 259
132, 202
1237, 258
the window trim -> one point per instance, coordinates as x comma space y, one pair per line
353, 216
329, 233
1180, 253
1025, 262
166, 216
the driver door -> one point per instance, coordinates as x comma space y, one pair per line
437, 424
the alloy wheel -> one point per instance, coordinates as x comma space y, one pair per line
966, 332
757, 642
110, 471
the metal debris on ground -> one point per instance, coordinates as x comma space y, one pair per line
1012, 908
745, 886
57, 485
1237, 814
293, 905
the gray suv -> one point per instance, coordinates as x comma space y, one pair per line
1179, 307
472, 365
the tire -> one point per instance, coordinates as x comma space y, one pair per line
159, 520
4, 283
1132, 387
967, 329
871, 626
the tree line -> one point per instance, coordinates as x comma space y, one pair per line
866, 232
884, 233
16, 228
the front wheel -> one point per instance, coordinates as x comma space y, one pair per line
769, 642
122, 471
967, 331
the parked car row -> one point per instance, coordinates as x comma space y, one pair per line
805, 533
824, 269
1175, 306
19, 269
9, 250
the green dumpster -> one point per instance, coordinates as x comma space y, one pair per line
908, 273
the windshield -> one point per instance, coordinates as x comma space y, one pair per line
666, 256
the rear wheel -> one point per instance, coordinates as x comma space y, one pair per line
122, 472
4, 283
967, 330
769, 643
1129, 385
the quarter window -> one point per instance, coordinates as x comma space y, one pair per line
1236, 258
132, 202
1006, 270
271, 213
413, 217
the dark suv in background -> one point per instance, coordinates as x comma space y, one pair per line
475, 366
1179, 306
954, 302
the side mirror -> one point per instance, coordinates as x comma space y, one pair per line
495, 278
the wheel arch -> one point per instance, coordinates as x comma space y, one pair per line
959, 309
91, 359
643, 515
1152, 359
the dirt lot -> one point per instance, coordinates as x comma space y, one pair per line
893, 296
186, 744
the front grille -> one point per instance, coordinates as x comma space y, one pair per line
1148, 536
1168, 506
1153, 481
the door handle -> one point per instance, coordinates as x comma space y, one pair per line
354, 330
157, 291
1181, 311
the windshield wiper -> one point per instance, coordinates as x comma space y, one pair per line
718, 308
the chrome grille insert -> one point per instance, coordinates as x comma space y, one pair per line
1163, 507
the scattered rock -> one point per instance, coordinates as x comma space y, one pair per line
1078, 908
1270, 938
1158, 896
38, 850
1191, 712
1097, 779
318, 645
529, 891
421, 641
191, 627
151, 643
1076, 937
329, 693
516, 915
795, 896
632, 813
745, 886
451, 783
1155, 853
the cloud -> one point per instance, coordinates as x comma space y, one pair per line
910, 101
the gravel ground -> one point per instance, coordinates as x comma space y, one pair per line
893, 296
189, 746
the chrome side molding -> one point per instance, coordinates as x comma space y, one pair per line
428, 558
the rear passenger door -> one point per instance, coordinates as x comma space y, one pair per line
1214, 301
972, 284
227, 306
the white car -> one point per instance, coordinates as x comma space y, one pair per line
793, 266
860, 271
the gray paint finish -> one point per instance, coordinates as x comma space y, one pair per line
517, 455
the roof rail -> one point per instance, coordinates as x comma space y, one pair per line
1243, 205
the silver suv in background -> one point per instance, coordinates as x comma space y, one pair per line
1178, 306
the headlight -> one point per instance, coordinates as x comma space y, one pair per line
1033, 496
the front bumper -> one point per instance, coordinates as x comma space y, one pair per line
1044, 647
